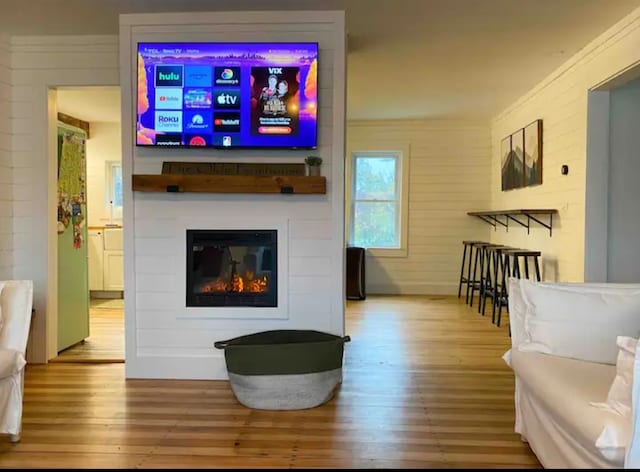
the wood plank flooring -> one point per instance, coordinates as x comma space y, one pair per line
424, 387
106, 340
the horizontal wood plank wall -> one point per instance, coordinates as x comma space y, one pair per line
449, 174
38, 63
424, 387
6, 165
560, 101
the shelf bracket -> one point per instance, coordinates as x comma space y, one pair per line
518, 216
486, 220
509, 217
542, 223
506, 224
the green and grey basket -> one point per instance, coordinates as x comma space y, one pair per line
284, 369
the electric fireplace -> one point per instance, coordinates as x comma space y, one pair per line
232, 268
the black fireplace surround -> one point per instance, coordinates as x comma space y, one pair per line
232, 268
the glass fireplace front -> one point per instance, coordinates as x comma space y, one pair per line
232, 268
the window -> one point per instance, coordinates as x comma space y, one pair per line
114, 189
378, 206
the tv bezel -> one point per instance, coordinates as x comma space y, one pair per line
229, 148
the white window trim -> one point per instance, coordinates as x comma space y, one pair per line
402, 151
117, 211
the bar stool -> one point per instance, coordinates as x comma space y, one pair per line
519, 255
479, 263
470, 246
525, 255
493, 280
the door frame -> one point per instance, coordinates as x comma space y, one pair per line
597, 174
44, 250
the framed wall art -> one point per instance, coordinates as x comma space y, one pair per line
533, 153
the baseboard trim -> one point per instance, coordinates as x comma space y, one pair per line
413, 288
185, 368
63, 360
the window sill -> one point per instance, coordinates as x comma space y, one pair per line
380, 252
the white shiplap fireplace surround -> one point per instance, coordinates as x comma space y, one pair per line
164, 338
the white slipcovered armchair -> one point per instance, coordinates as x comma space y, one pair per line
16, 300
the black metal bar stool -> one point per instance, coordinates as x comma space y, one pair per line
485, 275
493, 281
480, 265
518, 255
525, 255
469, 247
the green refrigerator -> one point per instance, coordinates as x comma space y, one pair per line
73, 262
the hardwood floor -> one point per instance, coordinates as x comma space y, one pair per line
106, 340
424, 387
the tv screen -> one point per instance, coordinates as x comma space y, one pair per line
227, 95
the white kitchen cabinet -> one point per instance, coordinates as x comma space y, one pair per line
113, 270
96, 258
106, 261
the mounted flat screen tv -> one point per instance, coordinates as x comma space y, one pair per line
227, 95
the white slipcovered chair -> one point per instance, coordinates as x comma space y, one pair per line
16, 300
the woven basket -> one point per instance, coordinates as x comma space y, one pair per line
284, 369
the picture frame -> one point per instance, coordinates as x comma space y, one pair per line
512, 161
505, 151
533, 153
517, 157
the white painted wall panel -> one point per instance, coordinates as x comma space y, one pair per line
37, 64
560, 101
6, 166
162, 334
449, 166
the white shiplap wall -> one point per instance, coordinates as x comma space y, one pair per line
561, 102
6, 166
164, 338
449, 171
39, 64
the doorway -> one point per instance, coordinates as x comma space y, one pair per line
612, 253
90, 243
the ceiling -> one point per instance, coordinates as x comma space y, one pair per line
407, 58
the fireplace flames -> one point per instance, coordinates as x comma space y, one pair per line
238, 284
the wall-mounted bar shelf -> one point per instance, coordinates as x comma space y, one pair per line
298, 184
517, 216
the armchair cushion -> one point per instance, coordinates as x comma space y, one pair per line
16, 300
579, 324
11, 362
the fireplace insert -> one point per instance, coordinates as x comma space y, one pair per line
232, 268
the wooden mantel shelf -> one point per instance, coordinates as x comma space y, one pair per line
208, 183
491, 217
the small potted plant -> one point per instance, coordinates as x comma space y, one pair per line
313, 164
